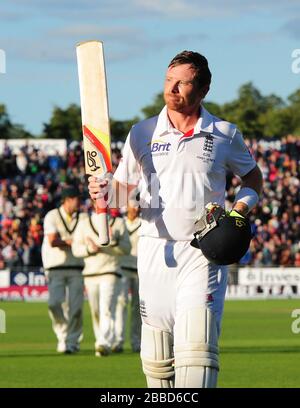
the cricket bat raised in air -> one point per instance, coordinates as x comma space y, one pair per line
95, 121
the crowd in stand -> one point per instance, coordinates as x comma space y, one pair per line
276, 220
31, 183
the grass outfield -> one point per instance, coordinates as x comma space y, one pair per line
258, 349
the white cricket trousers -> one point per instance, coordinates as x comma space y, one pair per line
65, 306
174, 278
102, 291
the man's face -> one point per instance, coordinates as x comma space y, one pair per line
181, 92
73, 204
132, 212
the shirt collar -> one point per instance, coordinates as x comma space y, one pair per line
163, 125
205, 123
67, 216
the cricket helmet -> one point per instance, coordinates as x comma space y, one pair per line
223, 237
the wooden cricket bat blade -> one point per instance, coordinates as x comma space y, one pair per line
95, 121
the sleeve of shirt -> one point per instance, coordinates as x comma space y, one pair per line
240, 160
128, 170
50, 224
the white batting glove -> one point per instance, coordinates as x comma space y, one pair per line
99, 187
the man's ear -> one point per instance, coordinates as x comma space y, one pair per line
204, 90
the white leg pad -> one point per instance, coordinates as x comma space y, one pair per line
196, 349
157, 357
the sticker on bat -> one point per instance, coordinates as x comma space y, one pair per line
91, 161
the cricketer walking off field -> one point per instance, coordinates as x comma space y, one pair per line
63, 271
102, 275
179, 161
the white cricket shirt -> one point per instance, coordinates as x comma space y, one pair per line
178, 174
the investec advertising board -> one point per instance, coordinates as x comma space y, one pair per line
277, 282
31, 284
269, 276
23, 285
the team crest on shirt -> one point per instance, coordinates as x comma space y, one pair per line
208, 143
143, 310
207, 149
159, 147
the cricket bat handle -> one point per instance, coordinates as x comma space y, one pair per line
102, 221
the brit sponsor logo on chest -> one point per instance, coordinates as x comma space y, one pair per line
159, 147
162, 148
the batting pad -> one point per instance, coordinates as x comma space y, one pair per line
157, 357
196, 349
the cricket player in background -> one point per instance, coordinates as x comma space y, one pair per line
179, 160
102, 275
129, 285
64, 271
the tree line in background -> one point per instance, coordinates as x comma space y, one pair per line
256, 115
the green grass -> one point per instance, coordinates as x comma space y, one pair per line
258, 349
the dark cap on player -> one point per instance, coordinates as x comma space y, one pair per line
70, 191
